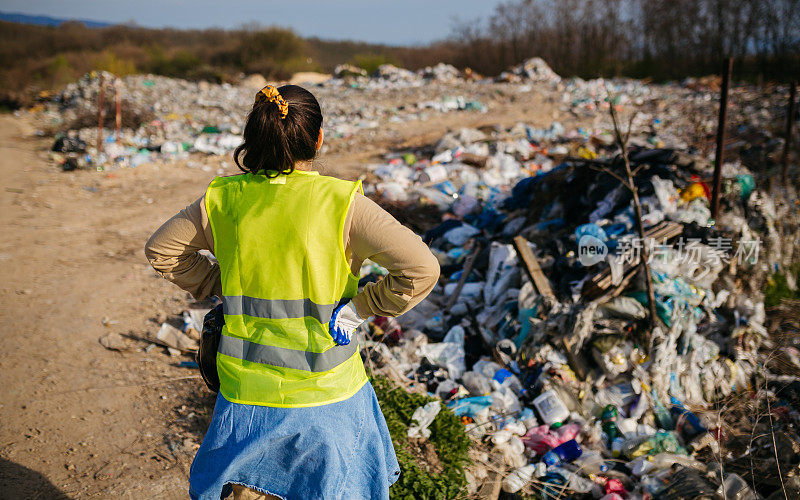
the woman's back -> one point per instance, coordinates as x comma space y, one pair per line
283, 272
296, 416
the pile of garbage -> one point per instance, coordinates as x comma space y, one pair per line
390, 76
442, 73
539, 334
533, 70
166, 119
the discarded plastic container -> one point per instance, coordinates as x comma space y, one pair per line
563, 453
591, 462
686, 423
663, 418
733, 487
554, 486
647, 463
423, 417
578, 483
550, 408
519, 478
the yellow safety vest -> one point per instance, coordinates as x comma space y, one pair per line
282, 260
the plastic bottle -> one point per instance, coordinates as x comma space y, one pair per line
663, 417
686, 423
519, 478
591, 462
578, 483
609, 418
564, 453
550, 407
667, 460
733, 487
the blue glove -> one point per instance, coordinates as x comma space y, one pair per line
344, 321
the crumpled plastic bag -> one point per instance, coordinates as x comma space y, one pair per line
176, 338
624, 307
459, 235
423, 417
448, 354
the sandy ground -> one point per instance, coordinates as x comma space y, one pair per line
79, 420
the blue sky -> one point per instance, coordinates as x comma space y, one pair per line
381, 21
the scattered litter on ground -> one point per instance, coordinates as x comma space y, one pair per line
538, 340
114, 341
165, 119
537, 337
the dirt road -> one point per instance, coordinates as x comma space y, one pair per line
79, 420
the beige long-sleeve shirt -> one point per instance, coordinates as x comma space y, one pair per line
369, 233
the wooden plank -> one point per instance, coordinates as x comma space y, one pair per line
468, 265
601, 282
532, 267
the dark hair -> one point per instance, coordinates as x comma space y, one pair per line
272, 143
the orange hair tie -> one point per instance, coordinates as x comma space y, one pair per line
271, 94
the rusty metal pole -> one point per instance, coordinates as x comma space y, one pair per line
118, 101
718, 157
790, 112
101, 112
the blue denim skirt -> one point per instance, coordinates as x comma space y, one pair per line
337, 451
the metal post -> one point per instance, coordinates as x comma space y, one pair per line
101, 112
790, 112
718, 157
118, 101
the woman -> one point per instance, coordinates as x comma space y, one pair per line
296, 416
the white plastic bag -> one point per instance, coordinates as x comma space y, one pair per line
423, 417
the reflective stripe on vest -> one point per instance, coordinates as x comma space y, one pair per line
283, 269
286, 358
277, 308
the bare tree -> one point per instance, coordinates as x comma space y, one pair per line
628, 181
658, 38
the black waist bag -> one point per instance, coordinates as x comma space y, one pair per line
206, 356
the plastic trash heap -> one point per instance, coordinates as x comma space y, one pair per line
534, 335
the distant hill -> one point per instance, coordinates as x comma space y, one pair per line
48, 21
